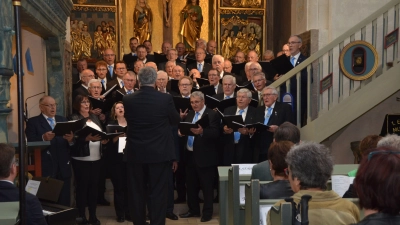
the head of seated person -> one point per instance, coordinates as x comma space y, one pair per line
377, 184
310, 166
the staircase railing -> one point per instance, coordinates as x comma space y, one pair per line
373, 29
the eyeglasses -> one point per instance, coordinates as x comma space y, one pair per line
286, 171
293, 42
95, 87
120, 69
103, 69
50, 105
85, 102
371, 154
185, 85
109, 55
195, 102
259, 80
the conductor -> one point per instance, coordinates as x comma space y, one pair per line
149, 148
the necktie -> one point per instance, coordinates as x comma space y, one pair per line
51, 122
102, 83
191, 138
199, 67
269, 112
110, 69
215, 88
122, 83
292, 60
129, 92
228, 97
237, 134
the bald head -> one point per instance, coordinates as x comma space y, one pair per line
151, 64
86, 76
211, 46
227, 66
109, 56
252, 56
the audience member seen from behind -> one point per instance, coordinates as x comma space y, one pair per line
369, 142
377, 184
280, 187
285, 132
10, 193
310, 166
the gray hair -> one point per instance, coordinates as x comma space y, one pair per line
257, 65
245, 91
247, 65
147, 76
198, 94
391, 140
203, 41
269, 52
229, 77
300, 40
131, 73
311, 163
258, 74
218, 56
274, 91
93, 81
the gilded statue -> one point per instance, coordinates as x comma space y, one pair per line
76, 41
227, 44
99, 42
167, 6
111, 38
248, 38
142, 19
86, 42
192, 21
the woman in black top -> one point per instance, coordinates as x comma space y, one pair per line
86, 154
280, 187
117, 166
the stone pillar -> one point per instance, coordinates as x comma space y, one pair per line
6, 66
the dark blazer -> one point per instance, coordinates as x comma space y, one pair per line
104, 89
56, 161
206, 67
279, 189
111, 153
261, 172
150, 115
204, 146
81, 147
34, 211
245, 147
220, 90
79, 91
282, 112
130, 60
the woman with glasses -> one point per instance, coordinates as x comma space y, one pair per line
117, 166
310, 166
86, 154
280, 187
378, 186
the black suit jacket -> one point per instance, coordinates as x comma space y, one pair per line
205, 146
55, 158
34, 211
150, 115
206, 67
245, 145
109, 77
281, 113
80, 91
130, 60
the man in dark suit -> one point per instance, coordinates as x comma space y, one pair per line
172, 56
200, 65
259, 81
149, 148
55, 159
228, 87
273, 114
120, 71
238, 146
218, 64
296, 58
101, 72
213, 78
81, 65
109, 57
10, 193
211, 48
86, 76
201, 158
285, 132
129, 58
